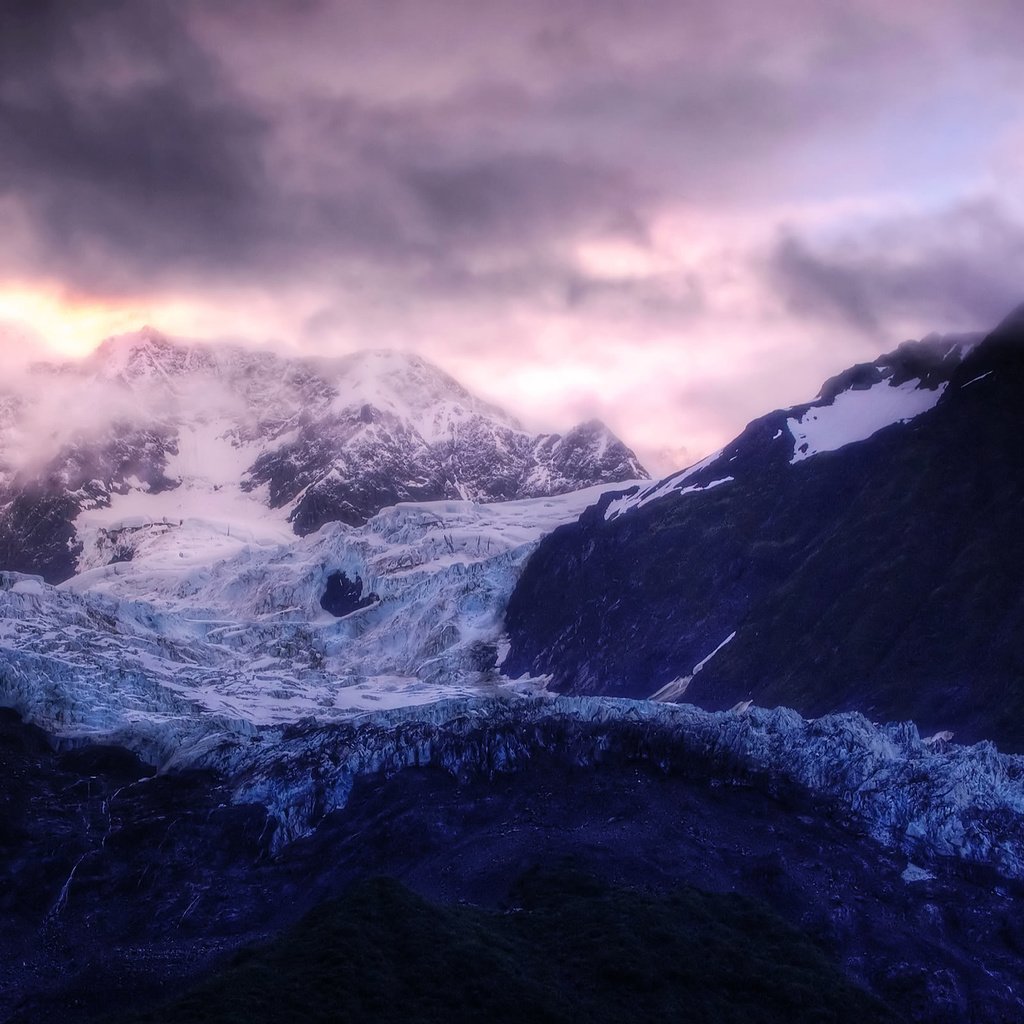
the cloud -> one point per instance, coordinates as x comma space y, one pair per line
585, 186
175, 142
122, 144
959, 269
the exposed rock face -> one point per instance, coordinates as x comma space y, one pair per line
862, 552
926, 798
150, 429
343, 596
120, 883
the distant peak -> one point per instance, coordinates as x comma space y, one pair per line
146, 333
145, 337
146, 354
592, 426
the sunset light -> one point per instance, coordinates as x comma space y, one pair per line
66, 323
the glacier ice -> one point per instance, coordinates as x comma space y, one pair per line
230, 663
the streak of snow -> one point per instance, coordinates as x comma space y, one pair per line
700, 664
974, 380
661, 488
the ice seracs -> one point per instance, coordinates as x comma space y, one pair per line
207, 623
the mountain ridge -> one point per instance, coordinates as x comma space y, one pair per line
291, 443
877, 573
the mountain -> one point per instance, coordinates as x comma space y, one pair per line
151, 430
215, 725
863, 551
899, 859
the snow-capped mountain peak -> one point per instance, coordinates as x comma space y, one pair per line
145, 356
407, 386
150, 429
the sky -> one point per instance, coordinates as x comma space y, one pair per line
674, 215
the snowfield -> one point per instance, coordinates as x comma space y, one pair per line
214, 624
857, 414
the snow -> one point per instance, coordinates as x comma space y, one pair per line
649, 492
914, 873
208, 514
205, 630
672, 692
855, 415
412, 390
28, 585
974, 380
700, 664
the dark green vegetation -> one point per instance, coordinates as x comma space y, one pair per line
883, 577
569, 951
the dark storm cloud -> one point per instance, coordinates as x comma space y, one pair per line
450, 149
959, 270
133, 157
120, 141
504, 197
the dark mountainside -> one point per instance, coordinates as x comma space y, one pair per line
884, 576
570, 950
117, 894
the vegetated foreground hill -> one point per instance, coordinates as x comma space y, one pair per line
570, 951
119, 887
863, 552
152, 430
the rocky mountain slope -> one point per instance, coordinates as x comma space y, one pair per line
901, 858
863, 551
152, 430
219, 723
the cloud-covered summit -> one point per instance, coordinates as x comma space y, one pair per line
605, 192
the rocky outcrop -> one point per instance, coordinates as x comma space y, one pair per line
927, 798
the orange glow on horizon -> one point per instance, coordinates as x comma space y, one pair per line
70, 324
47, 316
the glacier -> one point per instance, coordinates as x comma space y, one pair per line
235, 667
209, 628
927, 798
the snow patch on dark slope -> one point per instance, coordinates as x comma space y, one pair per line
851, 406
881, 575
149, 430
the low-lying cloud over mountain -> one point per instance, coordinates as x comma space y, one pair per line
588, 198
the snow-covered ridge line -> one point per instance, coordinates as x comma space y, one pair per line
155, 430
926, 798
851, 407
